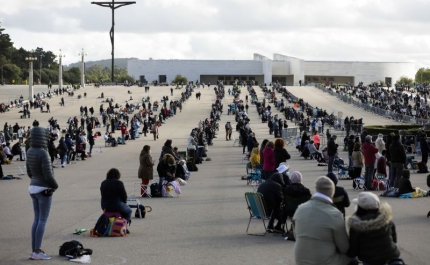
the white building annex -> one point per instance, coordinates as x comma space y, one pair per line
287, 70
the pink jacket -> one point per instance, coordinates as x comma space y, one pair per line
269, 159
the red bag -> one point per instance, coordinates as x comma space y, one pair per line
378, 184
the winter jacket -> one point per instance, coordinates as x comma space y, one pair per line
369, 151
381, 166
372, 237
424, 146
351, 144
39, 167
146, 166
331, 147
341, 199
269, 159
397, 152
168, 150
272, 192
281, 155
113, 191
405, 186
356, 159
380, 144
255, 157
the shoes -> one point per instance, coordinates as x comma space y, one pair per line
127, 231
39, 256
244, 177
63, 165
269, 229
278, 229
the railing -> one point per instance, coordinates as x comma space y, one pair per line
403, 118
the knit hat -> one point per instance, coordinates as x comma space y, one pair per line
367, 201
333, 177
282, 168
325, 186
368, 138
296, 177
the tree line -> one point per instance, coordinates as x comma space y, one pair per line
14, 68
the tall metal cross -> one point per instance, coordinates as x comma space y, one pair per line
113, 5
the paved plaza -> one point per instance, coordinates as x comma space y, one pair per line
206, 224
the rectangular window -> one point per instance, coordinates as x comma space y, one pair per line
220, 77
243, 78
228, 78
252, 78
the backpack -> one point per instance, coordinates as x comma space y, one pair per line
155, 190
73, 249
101, 227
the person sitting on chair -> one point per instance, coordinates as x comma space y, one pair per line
16, 150
314, 152
296, 190
340, 197
7, 151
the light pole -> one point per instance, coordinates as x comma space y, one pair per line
30, 78
82, 53
60, 70
40, 71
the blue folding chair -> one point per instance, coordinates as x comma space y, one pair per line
257, 210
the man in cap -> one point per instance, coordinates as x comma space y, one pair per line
319, 229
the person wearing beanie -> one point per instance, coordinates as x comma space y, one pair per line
372, 233
397, 159
405, 186
295, 194
369, 152
319, 229
340, 197
273, 198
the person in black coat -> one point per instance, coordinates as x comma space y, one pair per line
305, 137
398, 159
281, 154
273, 198
350, 144
424, 149
296, 190
340, 197
331, 151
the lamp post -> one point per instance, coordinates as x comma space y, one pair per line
82, 54
30, 78
40, 70
60, 70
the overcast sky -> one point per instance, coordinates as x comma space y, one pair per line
335, 30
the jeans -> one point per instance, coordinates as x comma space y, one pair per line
120, 207
396, 174
368, 176
330, 164
41, 208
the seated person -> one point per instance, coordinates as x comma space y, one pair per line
273, 198
381, 164
111, 139
16, 150
405, 186
114, 196
340, 197
305, 152
255, 157
182, 170
314, 151
295, 194
7, 151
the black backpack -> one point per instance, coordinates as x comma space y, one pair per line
101, 225
155, 190
74, 249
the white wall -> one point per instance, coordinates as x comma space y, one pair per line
192, 69
266, 67
366, 72
296, 67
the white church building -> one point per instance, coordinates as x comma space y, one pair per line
287, 70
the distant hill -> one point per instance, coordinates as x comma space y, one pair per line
120, 62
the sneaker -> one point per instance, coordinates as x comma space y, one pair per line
39, 256
278, 230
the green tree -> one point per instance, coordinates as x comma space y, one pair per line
72, 76
405, 81
179, 79
422, 75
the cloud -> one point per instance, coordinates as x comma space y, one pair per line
365, 30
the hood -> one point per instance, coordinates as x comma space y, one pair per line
381, 220
169, 159
39, 137
277, 177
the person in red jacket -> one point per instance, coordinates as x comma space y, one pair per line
369, 151
123, 132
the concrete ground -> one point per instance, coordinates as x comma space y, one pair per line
204, 225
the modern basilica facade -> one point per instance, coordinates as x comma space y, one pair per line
287, 70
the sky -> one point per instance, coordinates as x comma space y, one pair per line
314, 30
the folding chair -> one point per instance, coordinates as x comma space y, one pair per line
254, 179
257, 210
382, 178
360, 183
141, 186
235, 141
291, 203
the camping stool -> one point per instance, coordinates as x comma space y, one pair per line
357, 183
140, 186
137, 205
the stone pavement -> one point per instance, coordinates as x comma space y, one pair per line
206, 224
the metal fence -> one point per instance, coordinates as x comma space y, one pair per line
403, 118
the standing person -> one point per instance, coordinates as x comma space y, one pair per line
114, 196
317, 140
123, 132
146, 169
331, 151
398, 159
322, 242
91, 143
379, 143
350, 144
424, 149
369, 152
280, 153
228, 131
372, 233
269, 160
42, 186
